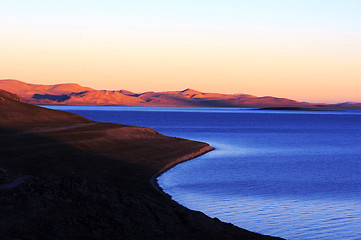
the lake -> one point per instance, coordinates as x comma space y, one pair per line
292, 174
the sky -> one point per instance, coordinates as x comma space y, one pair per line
307, 50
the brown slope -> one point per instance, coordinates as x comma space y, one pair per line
67, 177
18, 115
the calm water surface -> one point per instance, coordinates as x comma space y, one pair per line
295, 175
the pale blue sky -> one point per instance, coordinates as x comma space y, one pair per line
260, 47
328, 14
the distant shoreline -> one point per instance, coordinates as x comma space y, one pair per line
294, 109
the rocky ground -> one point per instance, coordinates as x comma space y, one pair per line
69, 207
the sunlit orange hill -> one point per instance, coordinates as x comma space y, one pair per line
74, 94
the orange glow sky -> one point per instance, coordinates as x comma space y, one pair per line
307, 50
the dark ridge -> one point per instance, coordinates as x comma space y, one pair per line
57, 98
79, 93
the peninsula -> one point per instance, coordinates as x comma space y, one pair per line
63, 176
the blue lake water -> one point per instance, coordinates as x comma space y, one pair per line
295, 175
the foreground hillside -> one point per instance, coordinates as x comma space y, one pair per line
66, 177
74, 94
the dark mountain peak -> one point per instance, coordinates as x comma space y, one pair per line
242, 95
128, 93
190, 91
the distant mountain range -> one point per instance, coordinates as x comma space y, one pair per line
74, 94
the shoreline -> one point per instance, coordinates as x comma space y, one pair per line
93, 180
174, 163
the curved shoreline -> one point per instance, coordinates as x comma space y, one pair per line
96, 181
174, 163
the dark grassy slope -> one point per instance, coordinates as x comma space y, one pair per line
65, 177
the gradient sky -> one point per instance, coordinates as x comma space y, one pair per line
308, 50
